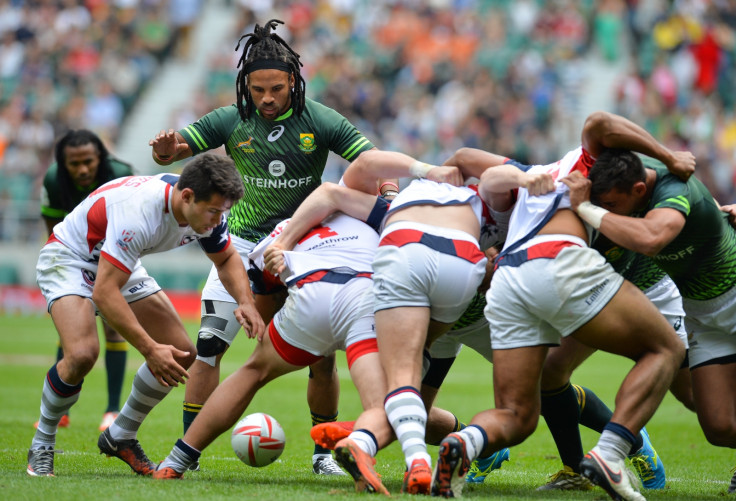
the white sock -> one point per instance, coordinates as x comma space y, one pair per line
146, 393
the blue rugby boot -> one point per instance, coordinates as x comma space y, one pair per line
647, 464
482, 467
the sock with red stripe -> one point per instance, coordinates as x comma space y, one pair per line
56, 399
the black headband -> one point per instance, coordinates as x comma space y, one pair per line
267, 64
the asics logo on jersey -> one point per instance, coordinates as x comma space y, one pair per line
276, 133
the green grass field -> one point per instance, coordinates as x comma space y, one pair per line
695, 469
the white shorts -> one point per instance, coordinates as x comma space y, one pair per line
476, 336
60, 272
711, 326
536, 301
666, 297
213, 289
323, 317
441, 272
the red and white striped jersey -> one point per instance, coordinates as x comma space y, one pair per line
130, 217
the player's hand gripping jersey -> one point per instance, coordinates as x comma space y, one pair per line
341, 244
128, 218
531, 213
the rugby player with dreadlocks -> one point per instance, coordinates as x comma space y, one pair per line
279, 140
82, 165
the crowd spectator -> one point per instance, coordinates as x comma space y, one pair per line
64, 65
423, 77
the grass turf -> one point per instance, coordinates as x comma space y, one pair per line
695, 469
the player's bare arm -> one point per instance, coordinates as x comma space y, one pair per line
504, 178
473, 162
325, 200
606, 130
232, 274
731, 211
169, 146
647, 235
372, 165
115, 310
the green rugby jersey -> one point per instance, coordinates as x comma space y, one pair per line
473, 312
281, 161
51, 204
702, 258
639, 269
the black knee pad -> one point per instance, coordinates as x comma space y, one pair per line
211, 346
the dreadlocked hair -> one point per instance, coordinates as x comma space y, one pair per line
263, 45
75, 138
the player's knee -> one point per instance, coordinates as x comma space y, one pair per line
82, 360
210, 347
720, 432
324, 370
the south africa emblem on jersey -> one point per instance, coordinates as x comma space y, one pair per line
306, 143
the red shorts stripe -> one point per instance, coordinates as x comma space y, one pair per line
290, 354
357, 350
544, 250
460, 248
331, 277
547, 250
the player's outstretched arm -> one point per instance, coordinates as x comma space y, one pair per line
366, 170
169, 146
473, 162
603, 130
116, 312
325, 200
232, 274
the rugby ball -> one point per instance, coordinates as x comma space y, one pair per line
258, 439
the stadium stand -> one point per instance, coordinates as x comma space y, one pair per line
513, 77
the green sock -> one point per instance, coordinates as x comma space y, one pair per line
189, 412
116, 356
561, 412
319, 419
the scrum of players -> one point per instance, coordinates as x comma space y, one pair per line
535, 267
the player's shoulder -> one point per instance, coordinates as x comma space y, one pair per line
120, 168
318, 111
51, 173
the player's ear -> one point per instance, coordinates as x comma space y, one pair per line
187, 195
639, 189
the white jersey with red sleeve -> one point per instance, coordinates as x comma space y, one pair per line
425, 192
131, 217
531, 213
341, 243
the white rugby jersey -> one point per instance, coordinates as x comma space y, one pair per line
340, 243
425, 192
131, 217
530, 213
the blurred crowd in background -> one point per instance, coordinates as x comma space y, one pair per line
422, 77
